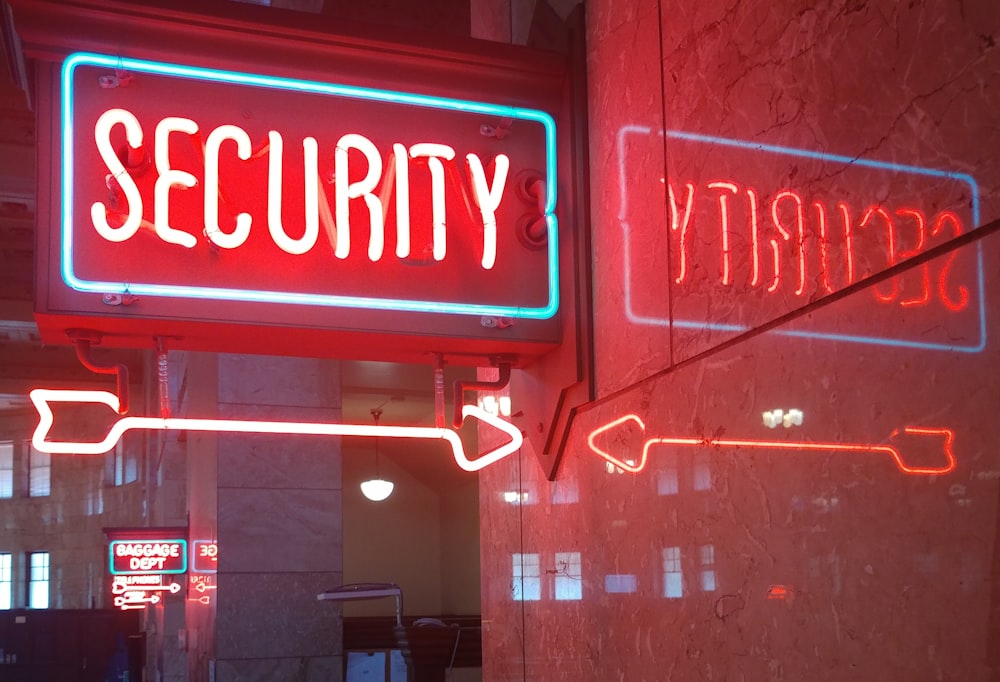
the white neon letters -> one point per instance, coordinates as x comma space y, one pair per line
243, 220
357, 174
98, 212
310, 152
488, 199
434, 153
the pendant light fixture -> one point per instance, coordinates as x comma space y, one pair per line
376, 489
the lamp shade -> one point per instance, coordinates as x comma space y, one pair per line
376, 489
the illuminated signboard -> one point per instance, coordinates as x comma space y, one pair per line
757, 230
139, 591
326, 207
944, 461
153, 556
186, 198
43, 399
204, 556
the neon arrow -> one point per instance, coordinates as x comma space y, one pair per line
136, 600
628, 465
121, 588
42, 397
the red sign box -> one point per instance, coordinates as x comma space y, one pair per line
755, 231
153, 556
191, 197
204, 556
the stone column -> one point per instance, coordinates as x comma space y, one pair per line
280, 524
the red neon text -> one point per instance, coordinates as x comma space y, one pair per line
784, 242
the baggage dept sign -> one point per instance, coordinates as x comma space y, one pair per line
148, 557
194, 184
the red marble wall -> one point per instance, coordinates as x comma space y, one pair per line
859, 540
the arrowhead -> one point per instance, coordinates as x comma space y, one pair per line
619, 431
494, 455
42, 399
928, 450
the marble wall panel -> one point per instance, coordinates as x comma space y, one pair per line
870, 104
625, 91
260, 461
745, 549
279, 530
276, 615
280, 523
313, 669
712, 541
284, 381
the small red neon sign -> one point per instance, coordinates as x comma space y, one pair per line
204, 556
42, 399
635, 465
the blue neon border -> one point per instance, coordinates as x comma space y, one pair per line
111, 557
325, 300
792, 151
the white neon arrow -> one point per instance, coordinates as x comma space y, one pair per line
42, 397
122, 588
136, 599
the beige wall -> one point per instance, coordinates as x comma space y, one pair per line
425, 540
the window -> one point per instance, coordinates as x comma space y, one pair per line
5, 582
620, 583
569, 577
527, 582
707, 568
39, 473
38, 580
122, 465
702, 474
6, 469
673, 575
666, 478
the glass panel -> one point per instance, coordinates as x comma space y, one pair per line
38, 580
40, 473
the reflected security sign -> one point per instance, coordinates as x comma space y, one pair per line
193, 183
755, 231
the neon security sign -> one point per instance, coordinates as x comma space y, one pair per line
195, 183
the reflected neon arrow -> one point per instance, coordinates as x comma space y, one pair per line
629, 465
43, 397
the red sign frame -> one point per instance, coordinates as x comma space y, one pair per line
496, 318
